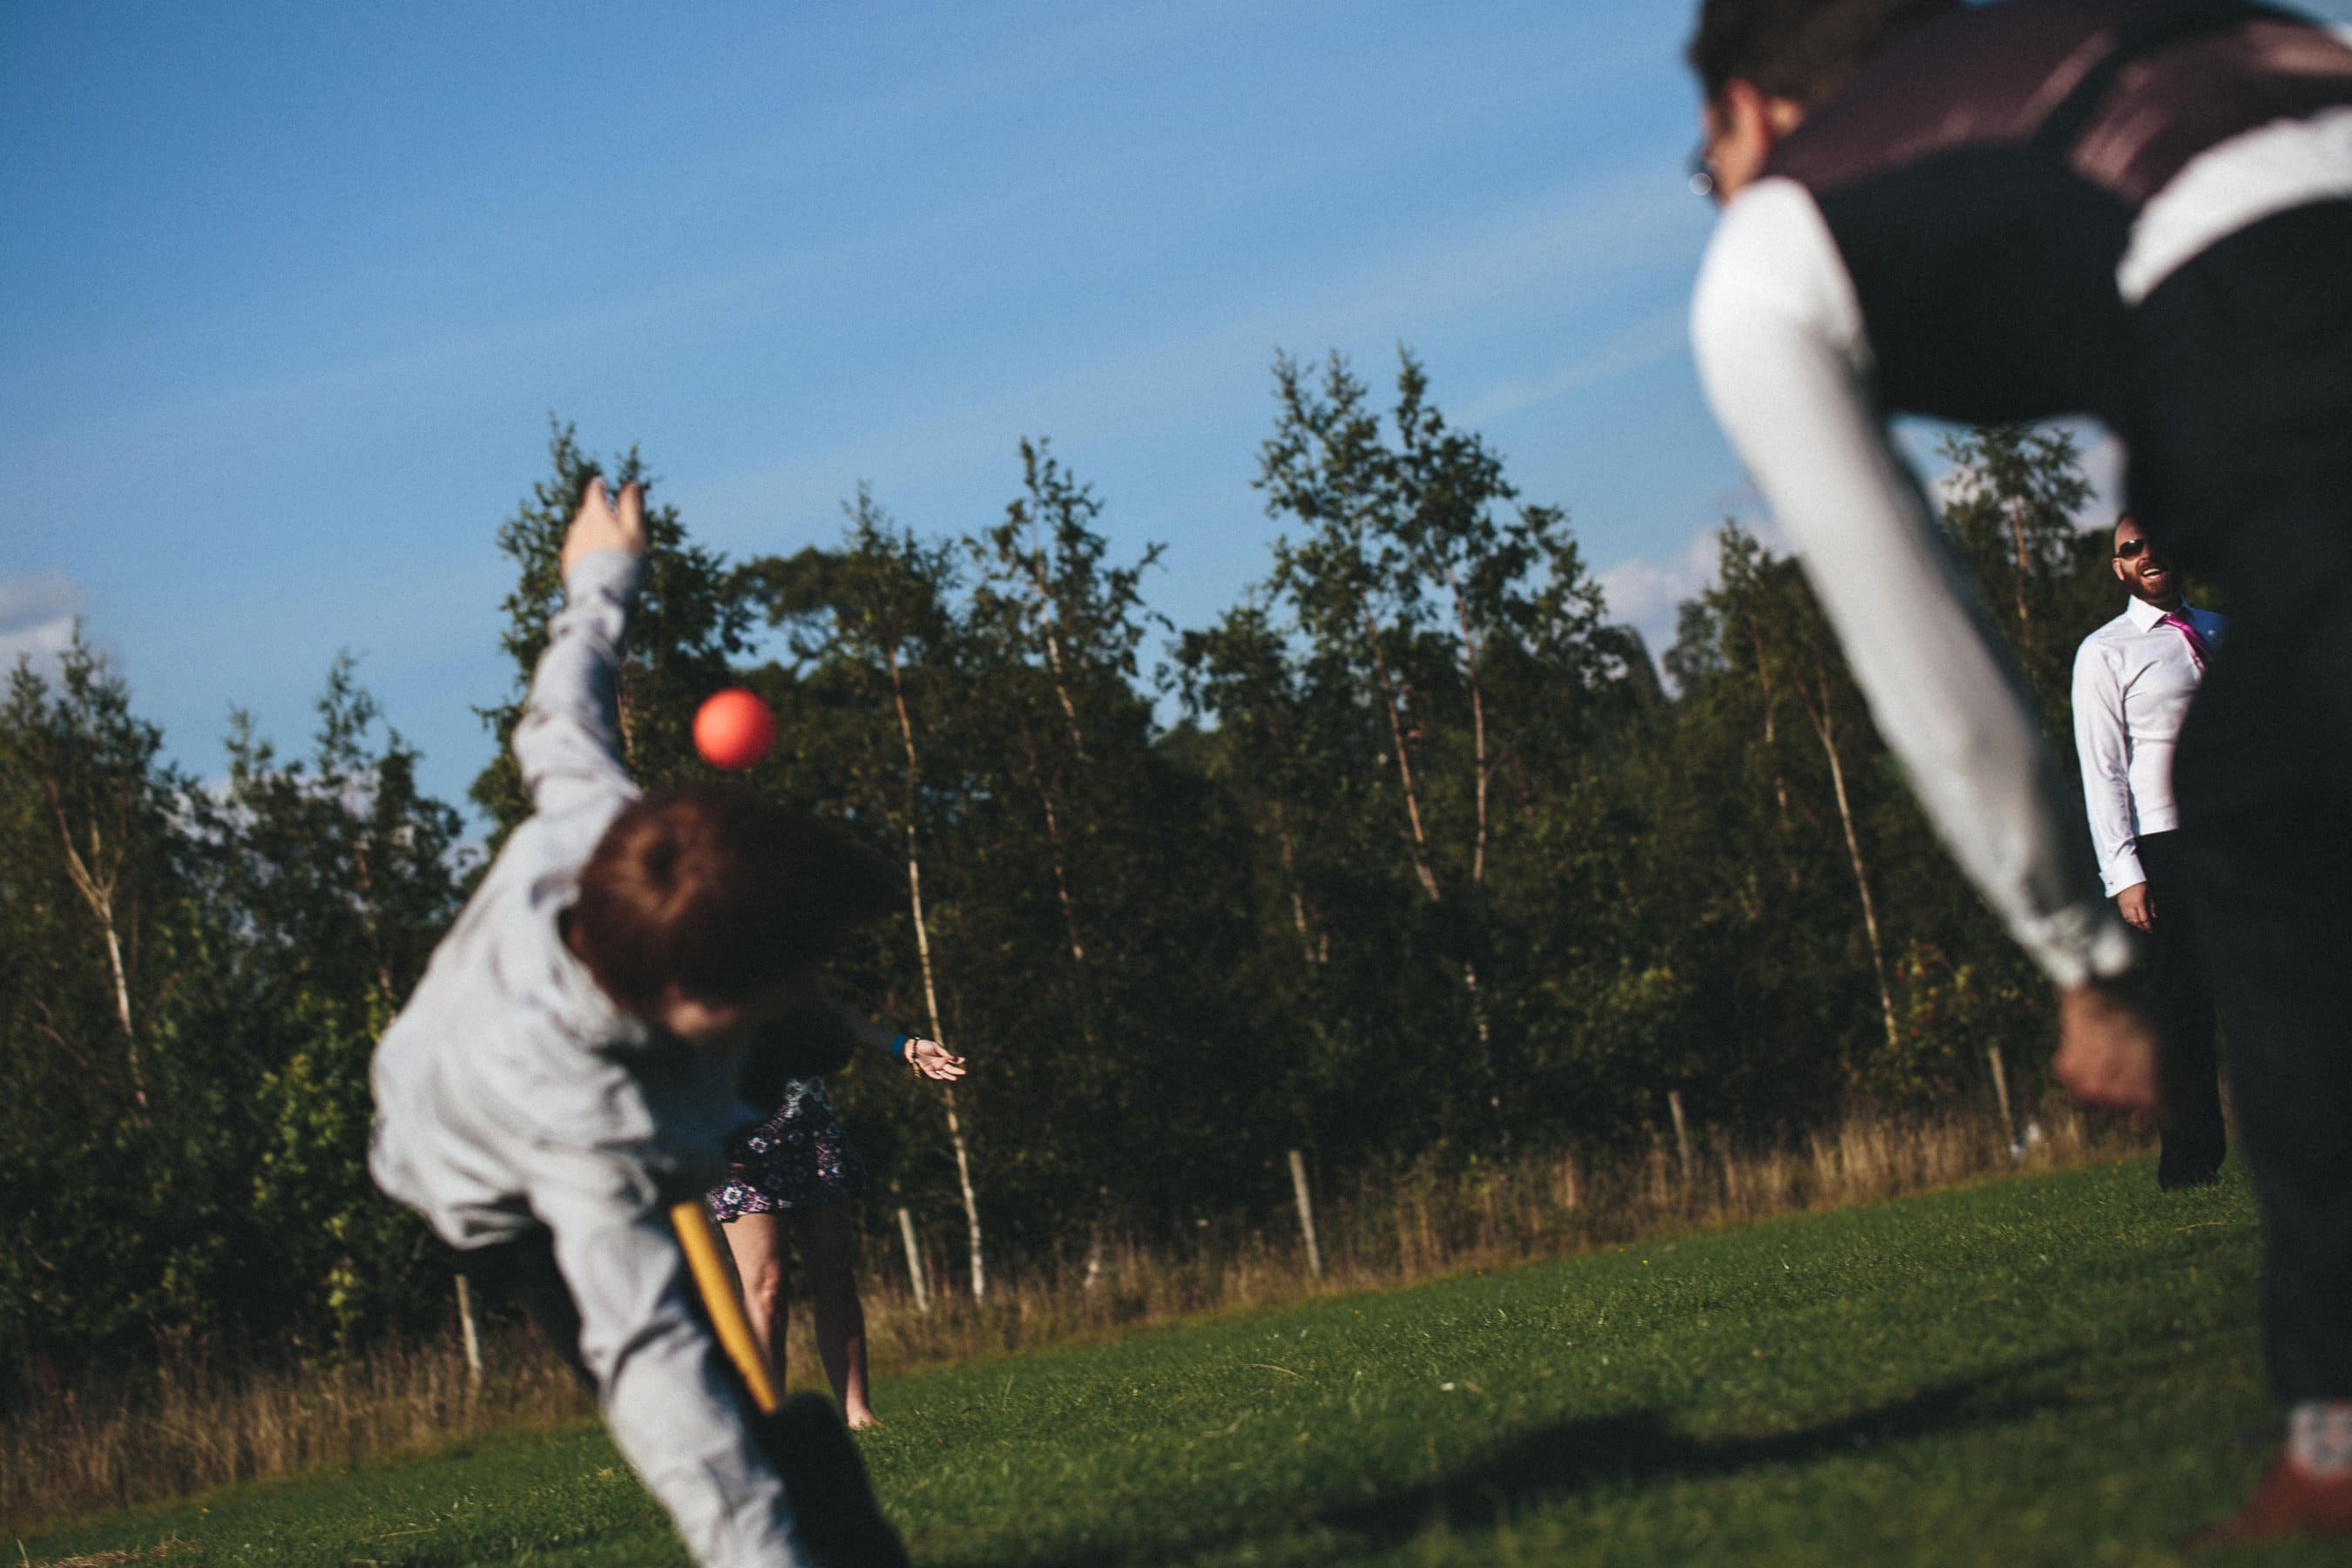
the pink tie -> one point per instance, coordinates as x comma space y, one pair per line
2197, 650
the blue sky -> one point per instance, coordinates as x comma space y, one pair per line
292, 291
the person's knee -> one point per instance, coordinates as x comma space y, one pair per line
764, 1280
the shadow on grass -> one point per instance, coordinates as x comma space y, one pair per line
1629, 1450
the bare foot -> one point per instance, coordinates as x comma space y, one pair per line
861, 1420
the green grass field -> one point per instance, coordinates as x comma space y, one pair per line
2039, 1371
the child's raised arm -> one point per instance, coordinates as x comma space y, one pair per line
568, 742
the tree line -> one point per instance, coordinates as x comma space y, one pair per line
1410, 855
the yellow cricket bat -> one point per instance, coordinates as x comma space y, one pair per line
700, 1239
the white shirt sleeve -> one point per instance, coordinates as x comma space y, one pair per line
568, 741
1777, 333
2103, 745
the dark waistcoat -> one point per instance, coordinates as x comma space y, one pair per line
1980, 180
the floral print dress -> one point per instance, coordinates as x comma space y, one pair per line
800, 1157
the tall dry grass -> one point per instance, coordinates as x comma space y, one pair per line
204, 1422
1426, 1222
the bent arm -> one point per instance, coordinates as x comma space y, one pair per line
2104, 746
568, 742
666, 1395
1778, 340
891, 1042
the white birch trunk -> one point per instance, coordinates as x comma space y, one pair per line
914, 1262
97, 892
1822, 727
1305, 1213
931, 990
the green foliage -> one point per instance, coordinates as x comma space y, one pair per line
187, 1147
2011, 507
690, 620
1429, 868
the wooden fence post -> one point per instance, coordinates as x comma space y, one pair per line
914, 1261
468, 1335
1682, 1135
2000, 1092
1305, 1213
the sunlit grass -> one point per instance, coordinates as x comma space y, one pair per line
2039, 1371
205, 1420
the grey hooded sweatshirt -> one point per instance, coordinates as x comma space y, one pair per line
513, 1094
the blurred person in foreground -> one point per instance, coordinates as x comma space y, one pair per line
568, 1068
2134, 678
2142, 210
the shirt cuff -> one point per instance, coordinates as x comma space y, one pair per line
2079, 944
614, 572
2122, 871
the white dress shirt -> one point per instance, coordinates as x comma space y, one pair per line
2132, 680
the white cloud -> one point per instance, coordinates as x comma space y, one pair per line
36, 618
2101, 456
1637, 347
2102, 460
1648, 594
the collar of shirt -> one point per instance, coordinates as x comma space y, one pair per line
2148, 618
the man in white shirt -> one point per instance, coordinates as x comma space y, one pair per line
2133, 680
2142, 210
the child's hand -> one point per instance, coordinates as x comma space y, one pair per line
931, 1060
598, 526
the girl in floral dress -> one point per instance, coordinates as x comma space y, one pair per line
798, 1173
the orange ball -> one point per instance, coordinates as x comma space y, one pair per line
733, 728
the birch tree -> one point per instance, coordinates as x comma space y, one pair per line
92, 773
1789, 644
691, 623
1064, 626
881, 605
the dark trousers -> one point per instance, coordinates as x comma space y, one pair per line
2195, 1141
2241, 467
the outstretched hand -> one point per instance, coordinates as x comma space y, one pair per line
600, 525
931, 1059
2106, 1050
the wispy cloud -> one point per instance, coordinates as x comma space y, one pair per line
1616, 224
2102, 460
36, 618
1648, 594
1637, 347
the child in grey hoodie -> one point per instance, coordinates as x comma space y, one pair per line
567, 1069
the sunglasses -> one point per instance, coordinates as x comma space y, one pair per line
2131, 550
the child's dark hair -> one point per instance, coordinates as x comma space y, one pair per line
720, 892
1799, 49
